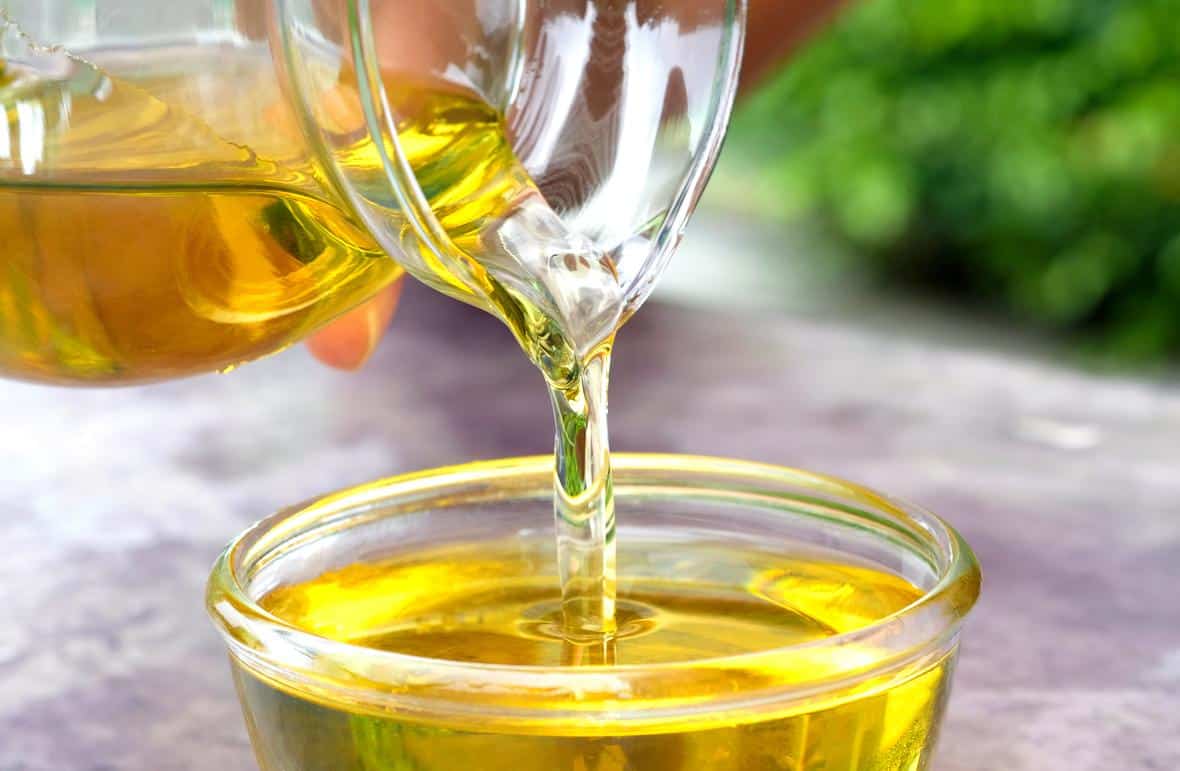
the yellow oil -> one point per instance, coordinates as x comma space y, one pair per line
137, 244
498, 604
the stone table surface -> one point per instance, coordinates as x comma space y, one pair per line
115, 502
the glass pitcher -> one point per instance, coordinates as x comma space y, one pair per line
187, 186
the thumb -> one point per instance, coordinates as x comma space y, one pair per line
347, 342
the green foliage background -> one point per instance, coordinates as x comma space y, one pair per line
1022, 151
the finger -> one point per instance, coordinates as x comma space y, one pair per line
348, 341
775, 28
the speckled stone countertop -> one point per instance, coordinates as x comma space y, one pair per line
116, 502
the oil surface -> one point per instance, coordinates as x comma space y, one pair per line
499, 604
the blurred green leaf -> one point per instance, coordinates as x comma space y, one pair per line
1023, 151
